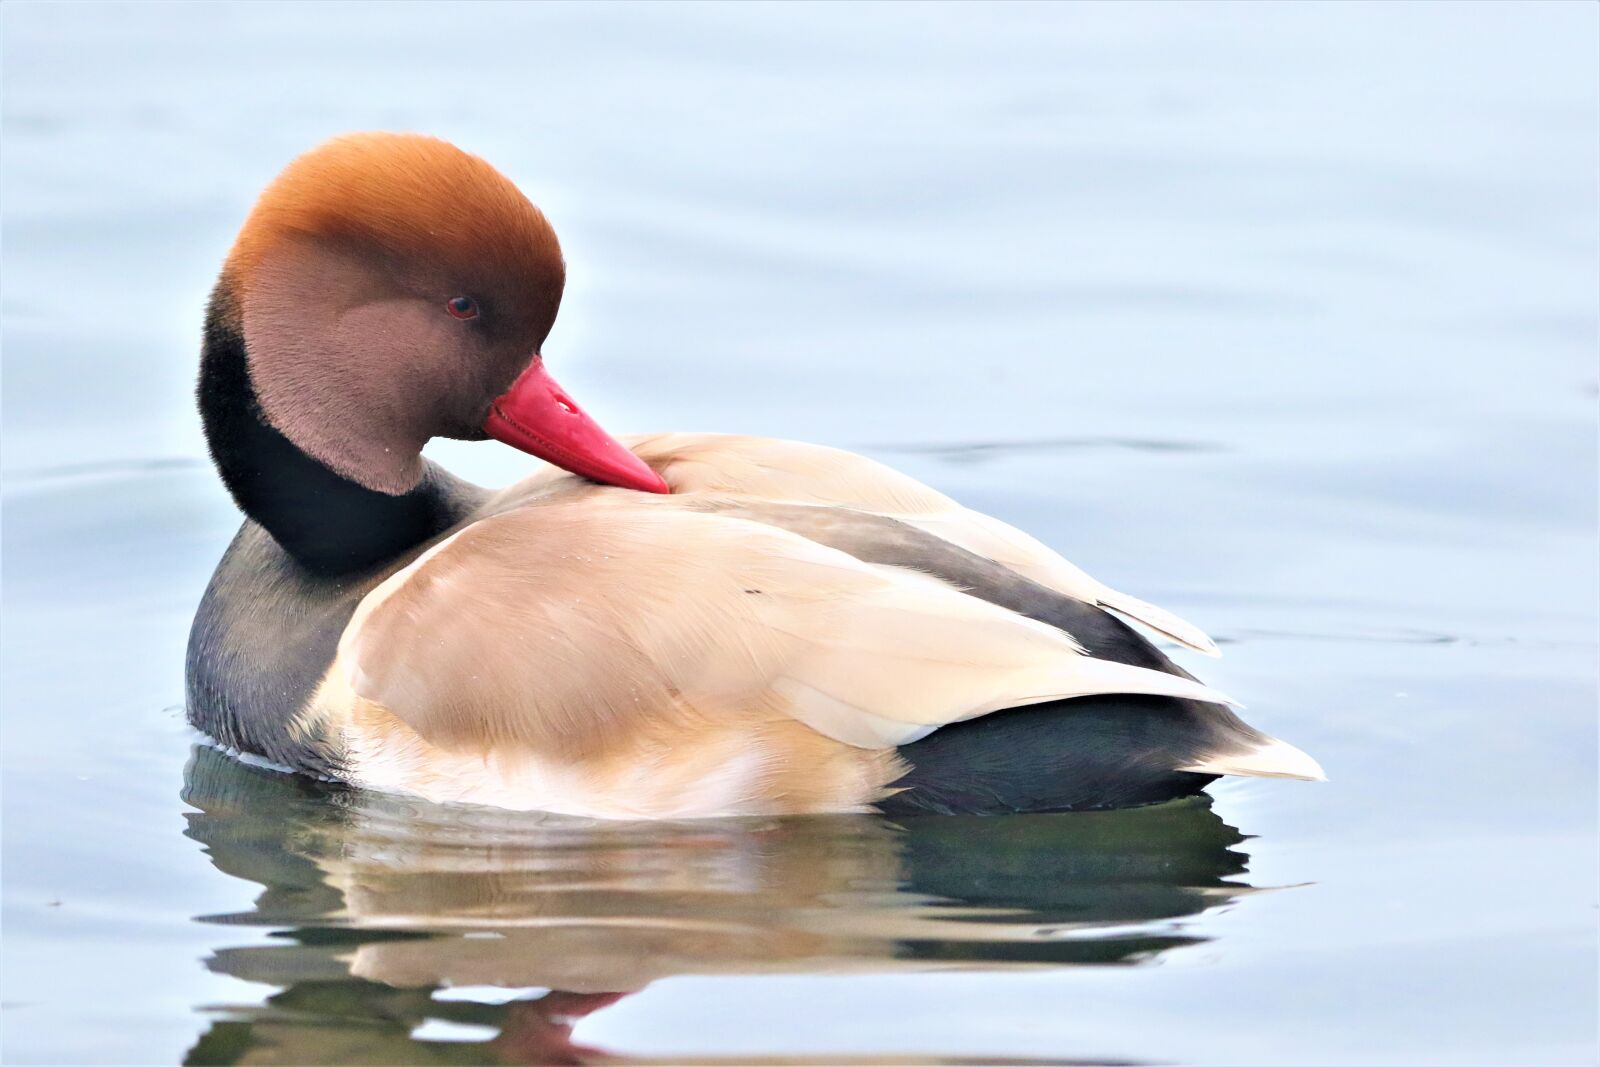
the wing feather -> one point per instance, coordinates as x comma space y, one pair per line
562, 624
795, 472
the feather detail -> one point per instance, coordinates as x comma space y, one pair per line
1271, 758
663, 616
1031, 558
1160, 620
799, 473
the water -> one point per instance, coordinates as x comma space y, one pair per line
1282, 317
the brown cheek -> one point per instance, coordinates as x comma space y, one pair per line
450, 372
335, 367
402, 357
304, 388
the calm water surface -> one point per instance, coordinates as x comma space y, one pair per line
1283, 317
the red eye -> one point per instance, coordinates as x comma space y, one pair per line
462, 307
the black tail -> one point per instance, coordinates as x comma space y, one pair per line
1067, 755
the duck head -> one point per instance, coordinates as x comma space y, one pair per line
392, 288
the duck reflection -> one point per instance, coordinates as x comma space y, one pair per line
379, 905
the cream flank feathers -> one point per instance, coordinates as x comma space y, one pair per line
585, 650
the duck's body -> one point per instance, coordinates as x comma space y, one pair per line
775, 628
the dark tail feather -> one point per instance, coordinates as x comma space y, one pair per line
1067, 755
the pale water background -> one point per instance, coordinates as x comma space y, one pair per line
1281, 316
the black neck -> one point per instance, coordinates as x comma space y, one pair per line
328, 523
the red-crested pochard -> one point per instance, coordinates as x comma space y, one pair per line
684, 625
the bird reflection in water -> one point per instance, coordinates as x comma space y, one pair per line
379, 905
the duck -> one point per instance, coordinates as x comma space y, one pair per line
653, 627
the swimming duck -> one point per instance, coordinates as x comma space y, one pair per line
664, 626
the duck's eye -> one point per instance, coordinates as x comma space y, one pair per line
462, 307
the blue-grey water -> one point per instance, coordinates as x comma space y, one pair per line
1282, 316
